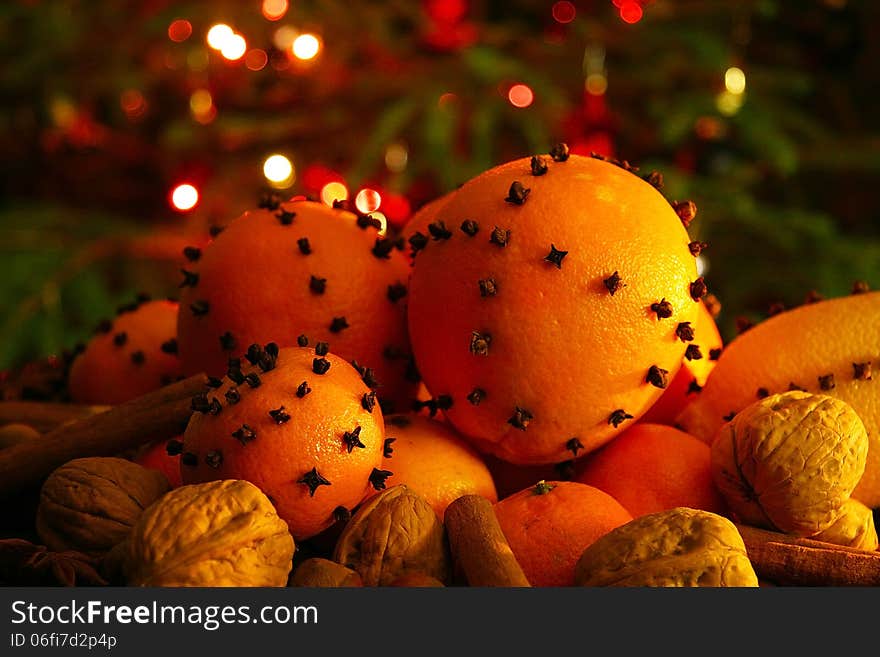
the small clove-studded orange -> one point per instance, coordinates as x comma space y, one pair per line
296, 268
129, 356
541, 303
295, 424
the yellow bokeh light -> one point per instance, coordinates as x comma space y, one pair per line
596, 84
278, 170
367, 200
234, 47
727, 103
184, 197
218, 35
333, 191
63, 112
396, 157
735, 80
284, 36
200, 102
306, 46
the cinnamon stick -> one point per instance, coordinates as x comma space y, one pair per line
157, 415
478, 545
44, 416
793, 561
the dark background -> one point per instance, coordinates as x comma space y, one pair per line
97, 125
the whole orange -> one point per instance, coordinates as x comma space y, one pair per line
545, 305
302, 426
129, 356
653, 467
434, 461
549, 525
300, 268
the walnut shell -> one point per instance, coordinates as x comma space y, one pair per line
324, 573
220, 533
394, 533
91, 504
679, 547
788, 462
853, 528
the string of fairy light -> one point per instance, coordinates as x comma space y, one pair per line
304, 48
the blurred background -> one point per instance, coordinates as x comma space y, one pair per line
128, 130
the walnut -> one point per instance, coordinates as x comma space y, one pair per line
324, 573
91, 504
394, 533
853, 528
679, 547
789, 462
220, 533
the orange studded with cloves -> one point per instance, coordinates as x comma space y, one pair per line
591, 275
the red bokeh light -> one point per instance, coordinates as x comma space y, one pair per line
564, 12
180, 30
631, 12
520, 95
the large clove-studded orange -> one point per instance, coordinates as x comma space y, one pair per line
296, 428
299, 268
129, 356
591, 274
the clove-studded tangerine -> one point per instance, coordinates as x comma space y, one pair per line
305, 440
569, 338
136, 354
261, 280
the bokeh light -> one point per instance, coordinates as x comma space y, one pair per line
274, 10
184, 197
306, 46
396, 156
133, 103
368, 200
596, 84
278, 170
284, 36
256, 59
218, 35
200, 101
180, 30
564, 12
520, 95
333, 191
234, 47
631, 12
735, 80
727, 103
